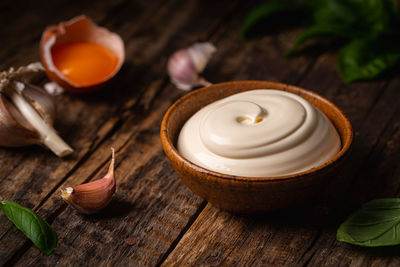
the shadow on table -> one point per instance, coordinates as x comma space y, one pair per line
388, 251
117, 208
362, 178
127, 83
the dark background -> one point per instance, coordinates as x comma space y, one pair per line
154, 219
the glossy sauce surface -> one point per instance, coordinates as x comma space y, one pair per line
259, 133
84, 63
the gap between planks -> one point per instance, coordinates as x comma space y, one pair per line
355, 176
93, 148
50, 218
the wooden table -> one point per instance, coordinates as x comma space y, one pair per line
154, 219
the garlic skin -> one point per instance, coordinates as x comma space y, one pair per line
53, 88
92, 197
185, 65
15, 129
27, 112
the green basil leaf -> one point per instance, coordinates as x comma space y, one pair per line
361, 17
318, 31
266, 11
333, 12
376, 223
375, 15
34, 227
370, 26
332, 19
365, 59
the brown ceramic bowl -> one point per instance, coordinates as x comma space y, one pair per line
249, 194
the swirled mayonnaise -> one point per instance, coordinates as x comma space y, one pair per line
259, 133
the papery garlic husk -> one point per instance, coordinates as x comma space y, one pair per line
92, 197
185, 65
15, 130
27, 111
53, 88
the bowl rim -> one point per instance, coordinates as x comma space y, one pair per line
168, 144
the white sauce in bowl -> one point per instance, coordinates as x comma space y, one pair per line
259, 133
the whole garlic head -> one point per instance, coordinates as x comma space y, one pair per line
27, 111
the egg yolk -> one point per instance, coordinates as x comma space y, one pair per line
84, 63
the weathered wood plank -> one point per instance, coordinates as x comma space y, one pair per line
152, 208
172, 19
376, 178
106, 153
23, 181
291, 237
220, 238
81, 116
136, 251
151, 205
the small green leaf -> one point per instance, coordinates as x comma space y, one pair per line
318, 31
332, 19
34, 227
376, 223
333, 12
361, 17
365, 59
370, 29
266, 11
375, 15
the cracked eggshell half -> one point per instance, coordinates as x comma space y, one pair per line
79, 29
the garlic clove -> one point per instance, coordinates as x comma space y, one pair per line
201, 53
15, 131
48, 135
92, 197
185, 65
27, 112
182, 70
41, 100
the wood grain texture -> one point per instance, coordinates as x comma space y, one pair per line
29, 185
151, 206
154, 219
218, 238
136, 104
